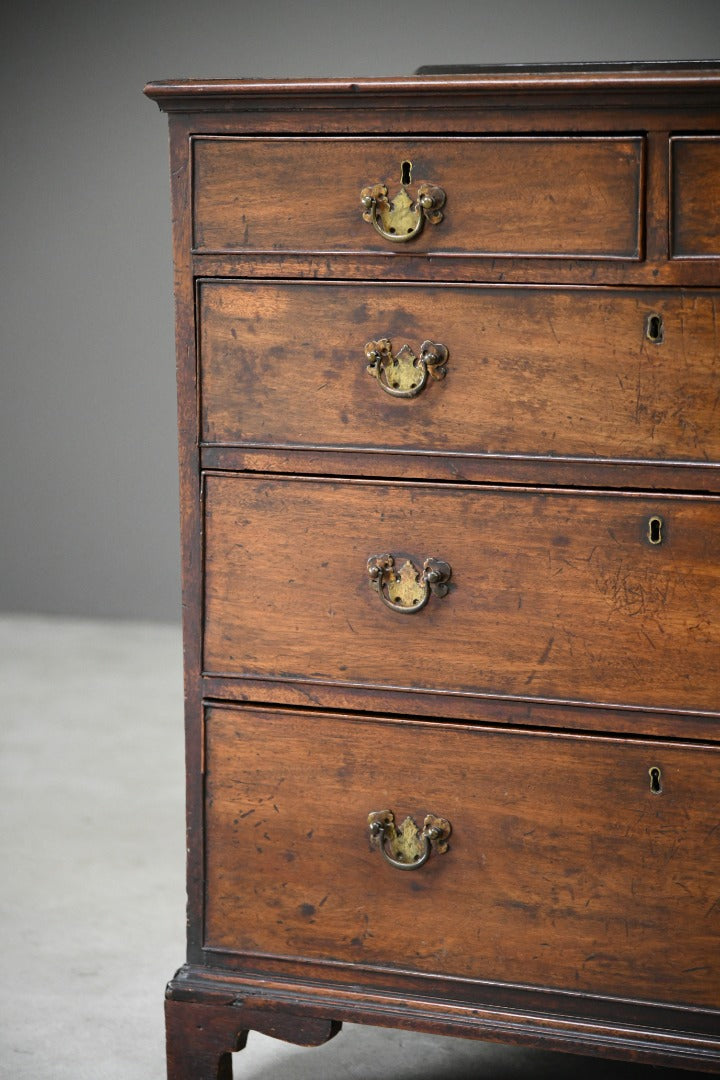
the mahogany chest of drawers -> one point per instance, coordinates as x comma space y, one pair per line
449, 397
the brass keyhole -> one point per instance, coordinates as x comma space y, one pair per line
654, 330
654, 530
655, 780
406, 174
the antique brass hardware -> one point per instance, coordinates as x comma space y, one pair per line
400, 219
407, 589
655, 780
404, 374
654, 530
654, 329
406, 847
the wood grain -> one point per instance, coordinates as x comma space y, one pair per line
202, 1038
599, 177
554, 596
563, 870
539, 372
432, 268
545, 196
190, 514
655, 1035
695, 225
466, 468
654, 81
470, 707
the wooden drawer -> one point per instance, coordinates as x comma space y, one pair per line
695, 172
590, 374
559, 196
554, 595
563, 869
475, 598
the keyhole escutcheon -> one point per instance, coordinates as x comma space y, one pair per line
655, 530
406, 174
655, 780
654, 330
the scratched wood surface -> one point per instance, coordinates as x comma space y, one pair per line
553, 595
564, 868
566, 873
578, 196
534, 371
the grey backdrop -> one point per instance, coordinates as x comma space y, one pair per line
88, 501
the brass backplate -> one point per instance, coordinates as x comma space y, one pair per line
398, 216
404, 587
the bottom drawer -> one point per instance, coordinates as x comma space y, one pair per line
574, 862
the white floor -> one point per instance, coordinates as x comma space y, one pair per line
91, 878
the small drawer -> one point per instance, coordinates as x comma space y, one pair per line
552, 196
573, 863
546, 595
588, 374
695, 196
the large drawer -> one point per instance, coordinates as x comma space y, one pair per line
590, 374
576, 863
554, 595
558, 196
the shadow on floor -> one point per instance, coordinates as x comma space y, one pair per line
379, 1054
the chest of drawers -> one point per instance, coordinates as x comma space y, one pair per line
449, 404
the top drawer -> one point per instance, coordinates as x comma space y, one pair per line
695, 209
552, 196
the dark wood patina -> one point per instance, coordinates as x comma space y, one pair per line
470, 628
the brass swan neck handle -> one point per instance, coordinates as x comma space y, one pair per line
405, 846
399, 219
406, 589
403, 374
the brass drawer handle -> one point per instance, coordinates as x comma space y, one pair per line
407, 589
399, 219
406, 847
405, 375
